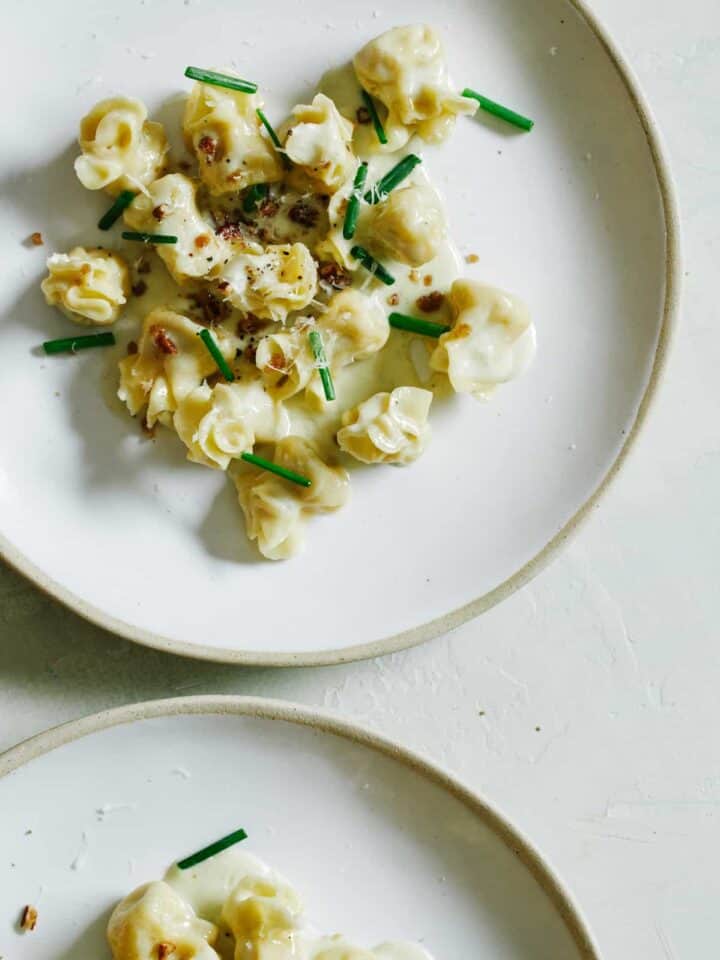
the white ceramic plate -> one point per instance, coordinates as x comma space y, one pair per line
381, 844
577, 217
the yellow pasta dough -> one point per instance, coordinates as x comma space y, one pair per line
90, 286
388, 428
121, 148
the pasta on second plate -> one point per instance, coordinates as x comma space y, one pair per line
310, 306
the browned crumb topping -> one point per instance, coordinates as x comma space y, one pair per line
208, 146
459, 332
250, 352
413, 276
202, 240
139, 288
29, 918
132, 348
164, 950
472, 258
162, 341
250, 324
269, 207
159, 211
214, 378
213, 308
277, 362
427, 280
393, 299
231, 230
36, 239
431, 301
363, 115
304, 214
332, 273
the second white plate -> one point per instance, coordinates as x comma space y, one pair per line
381, 844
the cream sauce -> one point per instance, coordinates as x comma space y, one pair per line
208, 885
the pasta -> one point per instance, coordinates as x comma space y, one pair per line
169, 206
275, 511
231, 906
272, 282
170, 362
121, 148
155, 914
410, 225
220, 423
222, 128
319, 141
90, 286
388, 428
405, 69
492, 340
264, 246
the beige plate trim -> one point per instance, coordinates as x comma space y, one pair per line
325, 722
455, 618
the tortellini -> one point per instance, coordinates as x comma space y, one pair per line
388, 428
353, 327
319, 141
223, 129
262, 912
492, 340
170, 207
271, 282
90, 286
335, 246
410, 225
275, 509
121, 148
405, 69
218, 424
171, 361
155, 915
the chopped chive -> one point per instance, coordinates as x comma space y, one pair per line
371, 264
142, 237
214, 351
230, 840
254, 195
392, 178
276, 469
220, 80
319, 353
269, 127
377, 122
498, 110
353, 207
73, 344
122, 201
428, 328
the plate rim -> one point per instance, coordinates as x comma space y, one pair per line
325, 721
447, 622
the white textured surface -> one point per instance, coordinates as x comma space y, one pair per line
612, 652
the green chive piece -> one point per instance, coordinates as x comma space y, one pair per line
214, 351
392, 178
254, 195
142, 237
428, 328
73, 344
498, 110
353, 207
230, 840
377, 122
371, 264
319, 353
220, 80
122, 201
276, 469
269, 127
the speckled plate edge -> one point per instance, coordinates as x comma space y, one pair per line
449, 621
325, 722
